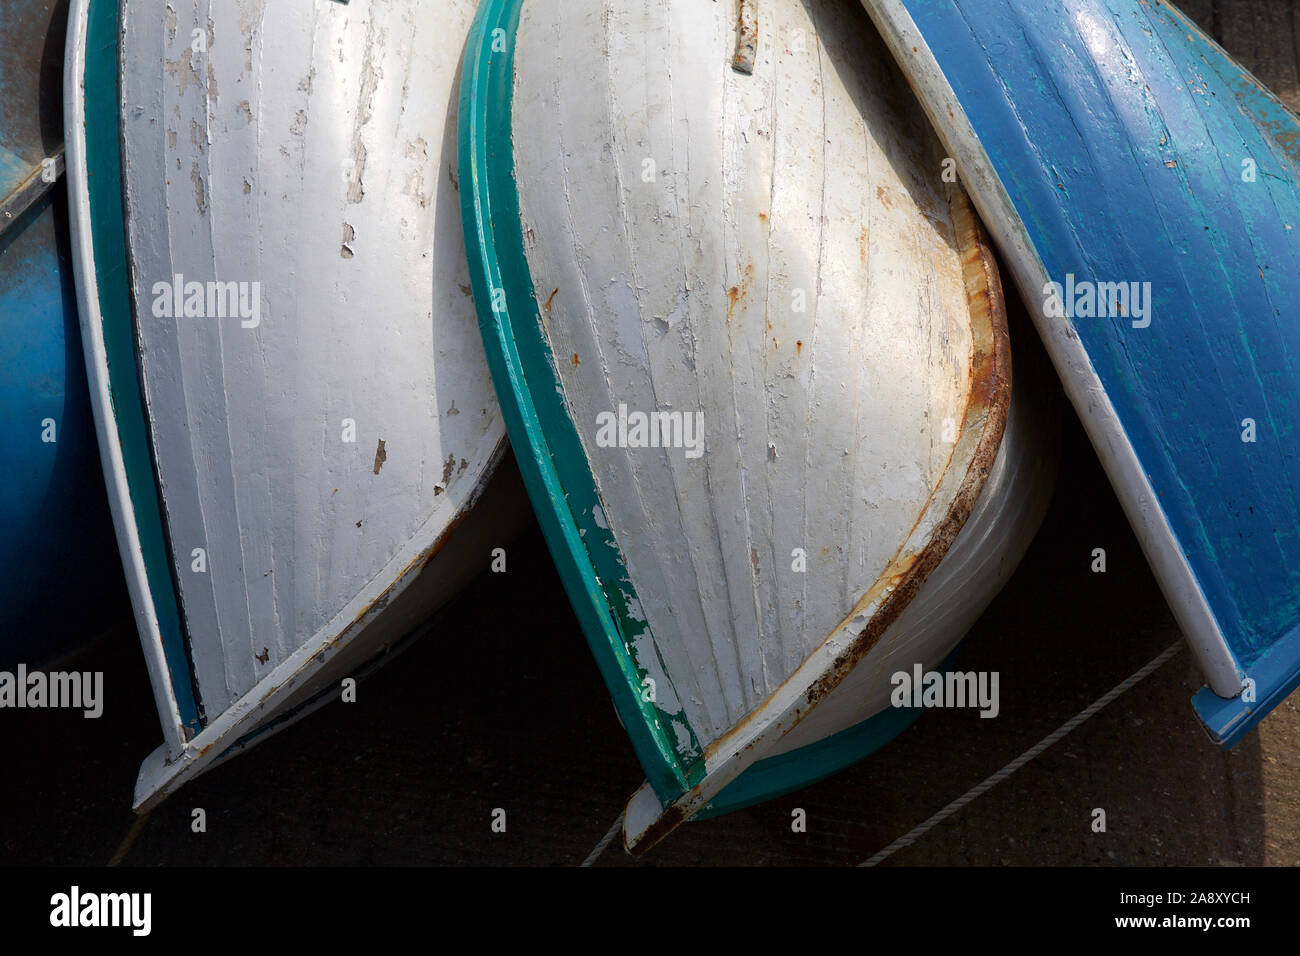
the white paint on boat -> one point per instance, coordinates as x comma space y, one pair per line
308, 155
1082, 384
676, 214
731, 619
370, 626
981, 560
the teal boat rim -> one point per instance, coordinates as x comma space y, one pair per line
507, 305
107, 318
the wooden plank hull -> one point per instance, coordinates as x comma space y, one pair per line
1113, 147
299, 466
764, 265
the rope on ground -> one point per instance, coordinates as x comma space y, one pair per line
1024, 758
599, 848
124, 847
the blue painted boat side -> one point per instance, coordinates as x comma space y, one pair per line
60, 577
1273, 676
1134, 150
59, 569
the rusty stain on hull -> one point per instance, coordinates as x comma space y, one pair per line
746, 39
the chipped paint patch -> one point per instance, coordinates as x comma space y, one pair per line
370, 76
182, 69
418, 151
200, 200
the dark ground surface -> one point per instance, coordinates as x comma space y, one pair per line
503, 707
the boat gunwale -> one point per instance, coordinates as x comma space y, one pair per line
490, 209
177, 710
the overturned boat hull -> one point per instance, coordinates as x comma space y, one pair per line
1144, 190
294, 414
753, 358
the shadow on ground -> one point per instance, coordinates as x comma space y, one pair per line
503, 708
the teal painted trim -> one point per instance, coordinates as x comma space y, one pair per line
788, 772
547, 447
108, 237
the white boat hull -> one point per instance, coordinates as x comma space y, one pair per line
768, 249
318, 410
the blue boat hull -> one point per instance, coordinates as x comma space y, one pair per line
1115, 151
60, 578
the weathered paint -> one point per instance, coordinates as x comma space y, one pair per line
309, 678
1105, 139
546, 445
39, 182
327, 454
674, 294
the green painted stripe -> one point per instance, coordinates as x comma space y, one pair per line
785, 773
547, 447
108, 235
